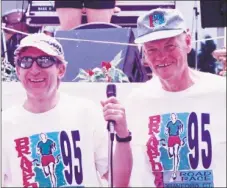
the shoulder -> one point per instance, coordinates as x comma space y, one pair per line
50, 141
169, 123
9, 119
179, 121
75, 103
85, 109
212, 82
145, 90
75, 99
11, 113
211, 77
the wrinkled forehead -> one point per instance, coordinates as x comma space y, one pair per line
161, 42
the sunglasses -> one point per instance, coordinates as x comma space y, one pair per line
26, 62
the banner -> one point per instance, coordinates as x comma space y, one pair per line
13, 92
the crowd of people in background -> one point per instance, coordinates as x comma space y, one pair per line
207, 60
96, 11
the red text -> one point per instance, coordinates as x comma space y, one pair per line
22, 147
153, 150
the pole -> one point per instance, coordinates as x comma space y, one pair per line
196, 34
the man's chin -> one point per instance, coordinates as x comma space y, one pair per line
165, 77
38, 94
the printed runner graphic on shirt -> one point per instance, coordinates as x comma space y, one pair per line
176, 155
47, 159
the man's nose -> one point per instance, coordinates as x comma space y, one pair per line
161, 55
35, 69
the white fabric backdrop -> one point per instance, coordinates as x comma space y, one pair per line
13, 92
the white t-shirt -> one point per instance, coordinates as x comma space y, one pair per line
63, 147
179, 138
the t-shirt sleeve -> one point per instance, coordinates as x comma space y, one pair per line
167, 126
38, 145
100, 135
180, 124
6, 173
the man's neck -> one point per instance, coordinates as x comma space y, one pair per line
180, 83
41, 105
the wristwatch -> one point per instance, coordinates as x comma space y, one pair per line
126, 139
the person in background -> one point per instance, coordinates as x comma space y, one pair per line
50, 30
206, 61
70, 12
220, 55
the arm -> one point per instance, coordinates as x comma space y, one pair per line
6, 175
122, 164
181, 127
122, 160
38, 151
220, 55
53, 147
167, 130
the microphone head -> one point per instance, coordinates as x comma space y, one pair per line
111, 90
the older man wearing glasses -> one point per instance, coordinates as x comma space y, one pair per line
75, 147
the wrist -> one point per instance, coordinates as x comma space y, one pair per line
126, 138
123, 133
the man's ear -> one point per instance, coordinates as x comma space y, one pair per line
17, 68
61, 70
188, 40
144, 57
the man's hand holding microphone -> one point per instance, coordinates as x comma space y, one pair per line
114, 113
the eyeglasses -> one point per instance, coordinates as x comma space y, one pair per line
42, 61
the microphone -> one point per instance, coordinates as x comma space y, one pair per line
111, 92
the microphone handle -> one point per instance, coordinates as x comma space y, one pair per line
110, 152
111, 126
